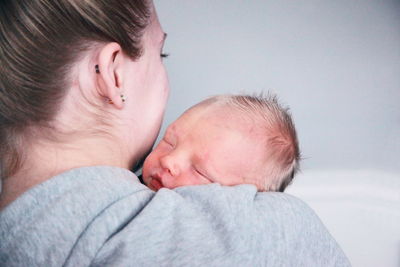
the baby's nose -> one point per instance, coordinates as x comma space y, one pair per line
171, 165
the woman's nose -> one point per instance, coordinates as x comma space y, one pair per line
171, 164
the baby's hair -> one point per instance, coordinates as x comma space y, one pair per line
274, 122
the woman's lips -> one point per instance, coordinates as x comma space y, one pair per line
155, 184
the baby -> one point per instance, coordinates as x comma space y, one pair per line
230, 140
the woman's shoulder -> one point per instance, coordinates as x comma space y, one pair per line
105, 215
77, 185
62, 208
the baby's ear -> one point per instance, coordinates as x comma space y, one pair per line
109, 71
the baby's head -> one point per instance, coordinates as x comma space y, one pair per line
227, 139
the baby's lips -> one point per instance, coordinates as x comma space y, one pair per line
155, 184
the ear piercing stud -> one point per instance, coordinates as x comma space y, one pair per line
123, 98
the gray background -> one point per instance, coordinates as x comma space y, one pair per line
335, 63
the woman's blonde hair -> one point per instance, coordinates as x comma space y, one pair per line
39, 42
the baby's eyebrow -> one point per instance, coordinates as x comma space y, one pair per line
170, 132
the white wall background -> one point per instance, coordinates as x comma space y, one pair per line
335, 63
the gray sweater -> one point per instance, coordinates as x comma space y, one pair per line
103, 216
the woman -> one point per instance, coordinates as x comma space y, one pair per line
82, 95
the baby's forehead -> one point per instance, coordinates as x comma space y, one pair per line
234, 119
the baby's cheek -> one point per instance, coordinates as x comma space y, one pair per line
171, 184
197, 179
184, 180
205, 157
149, 166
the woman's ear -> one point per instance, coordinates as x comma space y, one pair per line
109, 74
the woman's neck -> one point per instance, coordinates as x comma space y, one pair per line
48, 160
